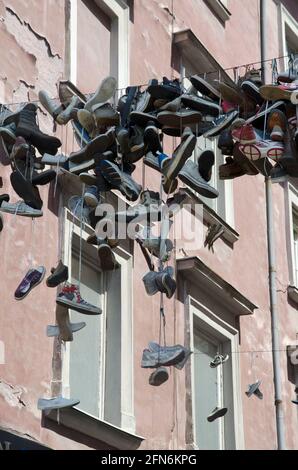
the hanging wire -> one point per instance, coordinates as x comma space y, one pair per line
187, 77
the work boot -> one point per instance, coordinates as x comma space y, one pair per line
28, 128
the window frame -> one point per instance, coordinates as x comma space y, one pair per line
210, 322
286, 21
128, 422
118, 11
220, 8
291, 201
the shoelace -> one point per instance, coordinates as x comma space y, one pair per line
73, 290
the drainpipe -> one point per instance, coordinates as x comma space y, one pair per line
280, 428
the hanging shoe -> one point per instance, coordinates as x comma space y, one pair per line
104, 93
205, 163
168, 89
122, 136
120, 180
170, 167
107, 259
44, 177
262, 149
96, 146
19, 149
70, 297
149, 208
190, 175
105, 115
217, 413
91, 196
86, 119
158, 377
155, 347
142, 119
220, 124
67, 90
25, 190
278, 92
179, 119
78, 209
68, 113
160, 282
225, 143
254, 389
59, 275
205, 88
53, 331
31, 280
49, 104
244, 134
252, 91
81, 135
57, 403
152, 161
28, 128
165, 357
153, 245
20, 208
204, 105
277, 125
218, 360
8, 133
230, 170
152, 138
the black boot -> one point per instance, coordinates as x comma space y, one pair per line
28, 128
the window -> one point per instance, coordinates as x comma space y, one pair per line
99, 42
97, 365
214, 387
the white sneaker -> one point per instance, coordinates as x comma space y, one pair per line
20, 208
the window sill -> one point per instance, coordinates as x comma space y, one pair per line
219, 9
214, 286
210, 217
293, 293
95, 428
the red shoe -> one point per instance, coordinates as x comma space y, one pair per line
245, 134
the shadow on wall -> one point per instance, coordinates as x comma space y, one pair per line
73, 435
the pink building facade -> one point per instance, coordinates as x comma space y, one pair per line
222, 302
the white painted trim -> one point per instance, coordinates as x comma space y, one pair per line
128, 422
118, 11
229, 203
73, 40
227, 332
291, 200
286, 19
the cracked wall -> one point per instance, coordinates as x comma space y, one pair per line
32, 48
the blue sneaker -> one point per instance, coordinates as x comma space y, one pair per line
57, 403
